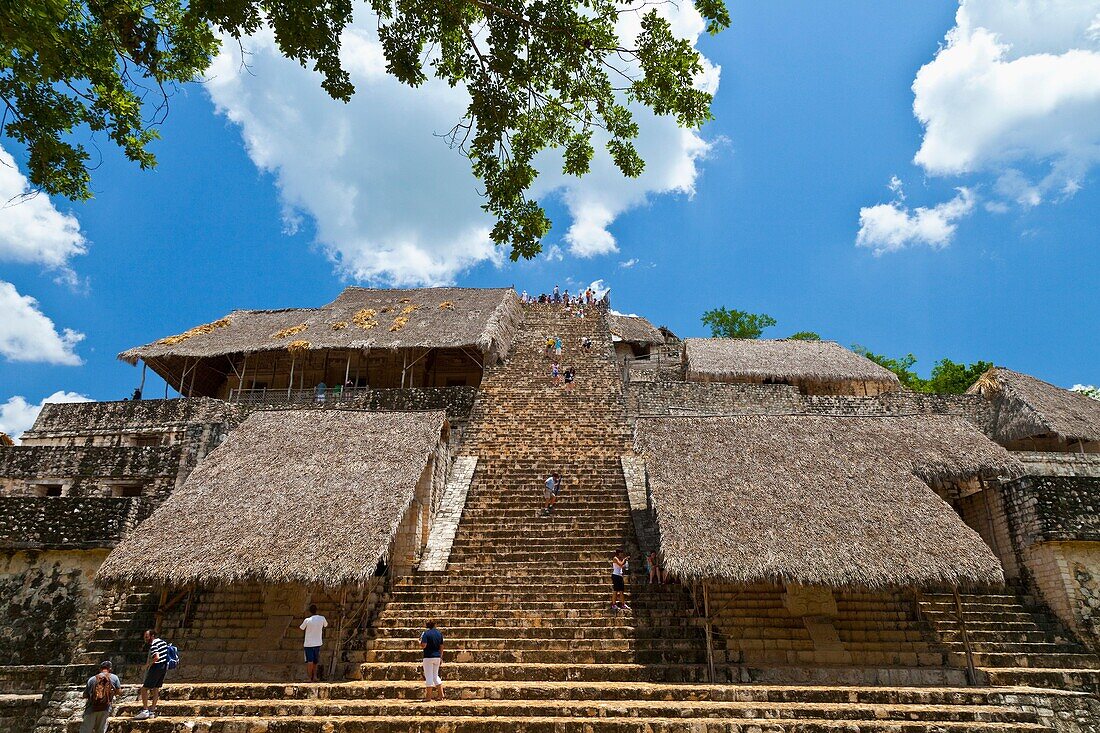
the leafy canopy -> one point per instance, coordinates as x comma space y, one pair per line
540, 74
1088, 390
735, 324
805, 336
947, 377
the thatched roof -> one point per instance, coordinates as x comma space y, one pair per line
1026, 407
818, 500
634, 329
296, 496
359, 318
5, 440
792, 360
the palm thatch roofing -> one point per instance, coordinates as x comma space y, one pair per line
634, 329
299, 496
1027, 407
792, 360
5, 440
818, 500
360, 318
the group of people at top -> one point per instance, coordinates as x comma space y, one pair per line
586, 297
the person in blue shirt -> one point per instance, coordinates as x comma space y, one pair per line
431, 641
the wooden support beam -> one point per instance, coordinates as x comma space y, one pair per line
710, 634
971, 672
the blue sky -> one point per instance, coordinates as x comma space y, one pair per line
814, 117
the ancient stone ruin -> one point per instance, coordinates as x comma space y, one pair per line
844, 554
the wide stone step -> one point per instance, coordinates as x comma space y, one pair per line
575, 653
746, 711
1044, 661
547, 672
583, 691
411, 634
481, 724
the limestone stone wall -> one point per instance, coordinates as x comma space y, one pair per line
54, 523
47, 604
87, 471
719, 398
126, 422
1049, 508
1059, 464
1055, 527
1067, 574
671, 398
412, 534
455, 401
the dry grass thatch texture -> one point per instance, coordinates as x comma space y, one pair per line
5, 440
484, 319
791, 360
290, 331
1028, 407
298, 346
297, 496
634, 329
204, 329
818, 500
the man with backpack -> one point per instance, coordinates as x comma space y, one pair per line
100, 693
155, 669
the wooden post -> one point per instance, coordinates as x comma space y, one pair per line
144, 366
160, 611
971, 673
986, 495
244, 371
339, 645
183, 376
710, 633
404, 366
290, 383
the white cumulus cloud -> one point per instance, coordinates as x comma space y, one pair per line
1015, 86
893, 226
391, 201
17, 415
32, 231
26, 334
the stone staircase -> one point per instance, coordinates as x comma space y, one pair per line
1013, 642
531, 643
119, 635
870, 638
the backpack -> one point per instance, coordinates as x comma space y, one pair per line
103, 693
172, 655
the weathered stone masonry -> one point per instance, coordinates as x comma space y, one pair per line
1055, 523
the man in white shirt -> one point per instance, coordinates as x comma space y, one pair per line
314, 627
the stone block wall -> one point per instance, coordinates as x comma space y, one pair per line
719, 398
121, 423
457, 402
672, 398
47, 603
64, 522
1054, 508
86, 472
972, 407
1059, 464
1055, 527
